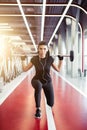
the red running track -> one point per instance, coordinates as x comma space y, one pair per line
70, 108
69, 111
17, 112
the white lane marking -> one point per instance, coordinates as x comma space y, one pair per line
50, 118
70, 84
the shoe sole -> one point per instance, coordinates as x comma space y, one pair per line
37, 117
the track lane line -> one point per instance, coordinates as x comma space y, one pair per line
82, 93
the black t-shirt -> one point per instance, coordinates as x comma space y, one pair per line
42, 67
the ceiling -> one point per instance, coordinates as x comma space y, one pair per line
23, 18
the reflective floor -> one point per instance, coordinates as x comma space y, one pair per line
70, 109
17, 111
79, 83
17, 105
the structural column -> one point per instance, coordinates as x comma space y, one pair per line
74, 34
68, 48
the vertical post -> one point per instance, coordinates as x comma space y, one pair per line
82, 51
74, 65
68, 47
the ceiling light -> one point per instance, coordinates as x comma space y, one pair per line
6, 29
3, 24
3, 27
26, 23
43, 19
60, 21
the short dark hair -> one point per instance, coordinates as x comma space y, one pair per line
42, 43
